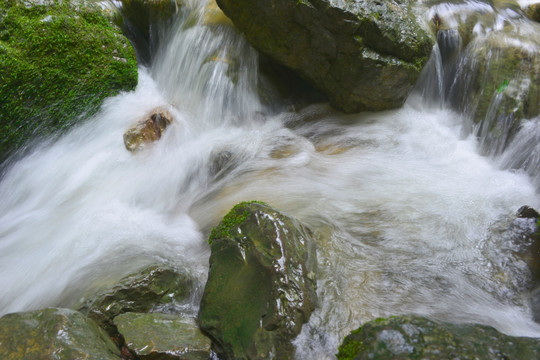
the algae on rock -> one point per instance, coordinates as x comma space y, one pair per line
153, 289
412, 337
261, 286
53, 333
58, 61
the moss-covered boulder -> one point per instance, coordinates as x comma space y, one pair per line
261, 286
156, 288
163, 337
410, 337
58, 61
364, 55
54, 333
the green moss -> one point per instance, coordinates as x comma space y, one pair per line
350, 349
57, 64
235, 217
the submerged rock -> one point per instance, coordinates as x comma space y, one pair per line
410, 337
147, 130
58, 61
261, 286
363, 55
163, 336
153, 289
53, 334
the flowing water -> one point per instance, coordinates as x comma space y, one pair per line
405, 206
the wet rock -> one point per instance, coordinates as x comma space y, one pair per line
163, 336
502, 86
153, 289
533, 11
261, 286
410, 337
142, 21
53, 334
363, 55
59, 61
528, 212
147, 130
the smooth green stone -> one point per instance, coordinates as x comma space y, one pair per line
59, 334
163, 336
261, 283
410, 337
148, 290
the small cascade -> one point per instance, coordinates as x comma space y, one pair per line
486, 66
207, 69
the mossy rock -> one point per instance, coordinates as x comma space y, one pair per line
154, 289
411, 337
58, 62
502, 88
261, 286
163, 337
364, 55
54, 333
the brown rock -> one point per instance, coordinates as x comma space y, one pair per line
147, 130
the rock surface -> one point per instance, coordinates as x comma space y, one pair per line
53, 334
261, 286
152, 289
163, 336
364, 55
147, 130
58, 61
533, 11
143, 20
409, 337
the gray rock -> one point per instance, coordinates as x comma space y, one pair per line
364, 55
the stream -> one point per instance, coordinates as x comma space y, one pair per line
406, 205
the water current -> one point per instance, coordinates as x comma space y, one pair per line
405, 206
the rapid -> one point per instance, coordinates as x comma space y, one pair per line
405, 203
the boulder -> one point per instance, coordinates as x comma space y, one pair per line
142, 22
163, 337
147, 130
261, 285
54, 334
533, 11
156, 288
58, 61
364, 55
411, 337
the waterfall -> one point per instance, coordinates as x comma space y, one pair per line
405, 204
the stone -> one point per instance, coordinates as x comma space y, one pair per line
261, 283
142, 21
533, 11
147, 130
58, 61
54, 333
155, 288
412, 337
163, 336
364, 55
